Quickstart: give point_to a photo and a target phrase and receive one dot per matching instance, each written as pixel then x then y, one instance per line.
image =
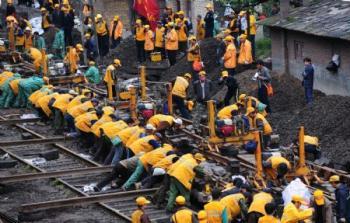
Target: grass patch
pixel 263 48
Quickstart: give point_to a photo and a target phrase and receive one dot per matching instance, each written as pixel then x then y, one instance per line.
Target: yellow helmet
pixel 192 37
pixel 138 21
pixel 141 201
pixel 319 197
pixel 199 157
pixel 170 24
pixel 180 200
pixel 91 63
pixel 202 73
pixel 224 73
pixel 202 215
pixel 298 198
pixel 180 12
pixel 209 6
pixel 242 97
pixel 56 6
pixel 188 75
pixel 79 47
pixel 190 105
pixel 243 36
pixel 46 79
pixel 42 9
pixel 98 16
pixel 334 178
pixel 229 38
pixel 146 26
pixel 116 18
pixel 117 62
pixel 87 35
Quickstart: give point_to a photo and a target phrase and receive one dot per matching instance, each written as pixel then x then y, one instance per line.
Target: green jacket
pixel 93 75
pixel 39 43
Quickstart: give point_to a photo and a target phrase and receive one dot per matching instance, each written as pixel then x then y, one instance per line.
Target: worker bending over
pixel 235 205
pixel 161 122
pixel 276 167
pixel 216 211
pixel 292 212
pixel 60 110
pixel 257 121
pixel 270 209
pixel 257 207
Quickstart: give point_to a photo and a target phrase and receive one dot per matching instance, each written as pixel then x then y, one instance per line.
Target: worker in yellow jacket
pixel 145 144
pixel 36 56
pixel 200 34
pixel 235 205
pixel 179 94
pixel 182 174
pixel 140 216
pixel 6 74
pixel 116 31
pixel 228 112
pixel 250 101
pixel 72 57
pixel 162 122
pixel 276 167
pixel 107 116
pixel 216 211
pixel 149 41
pixel 102 35
pixel 44 105
pixel 83 125
pixel 230 57
pixel 28 38
pixel 159 39
pixel 60 109
pixel 146 162
pixel 292 212
pixel 171 43
pixel 182 214
pixel 140 41
pixel 257 207
pixel 270 209
pixel 259 122
pixel 110 78
pixel 73 112
pixel 182 33
pixel 245 51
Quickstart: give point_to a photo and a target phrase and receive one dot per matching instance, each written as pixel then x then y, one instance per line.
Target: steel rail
pixel 112 197
pixel 35 141
pixel 54 174
pixel 18 121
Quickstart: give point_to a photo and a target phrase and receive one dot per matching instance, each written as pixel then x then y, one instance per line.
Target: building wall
pixel 320 50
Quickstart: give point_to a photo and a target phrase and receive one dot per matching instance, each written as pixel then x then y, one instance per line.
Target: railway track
pixel 67 168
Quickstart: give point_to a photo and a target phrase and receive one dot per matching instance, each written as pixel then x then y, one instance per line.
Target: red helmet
pixel 147 113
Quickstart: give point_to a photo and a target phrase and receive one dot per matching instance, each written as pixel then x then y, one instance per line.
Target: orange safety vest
pixel 101 28
pixel 182 33
pixel 108 78
pixel 165 163
pixel 125 134
pixel 140 34
pixel 111 129
pixel 159 42
pixel 259 202
pixel 118 31
pixel 136 216
pixel 230 60
pixel 72 58
pixel 171 41
pixel 193 53
pixel 183 215
pixel 245 53
pixel 149 43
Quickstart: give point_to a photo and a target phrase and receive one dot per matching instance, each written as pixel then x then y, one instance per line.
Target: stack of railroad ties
pixel 142 149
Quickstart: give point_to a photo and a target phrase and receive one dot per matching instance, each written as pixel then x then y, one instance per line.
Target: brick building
pixel 123 8
pixel 318 31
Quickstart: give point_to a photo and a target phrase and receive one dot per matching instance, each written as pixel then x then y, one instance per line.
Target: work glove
pixel 342 220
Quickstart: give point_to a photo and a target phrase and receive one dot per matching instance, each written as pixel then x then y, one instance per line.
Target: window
pixel 298 50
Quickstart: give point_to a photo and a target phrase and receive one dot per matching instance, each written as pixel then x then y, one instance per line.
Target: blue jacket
pixel 308 76
pixel 342 197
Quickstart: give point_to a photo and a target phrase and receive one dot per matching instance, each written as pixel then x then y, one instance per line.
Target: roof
pixel 328 18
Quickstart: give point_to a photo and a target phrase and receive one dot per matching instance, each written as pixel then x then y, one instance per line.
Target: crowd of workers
pixel 140 154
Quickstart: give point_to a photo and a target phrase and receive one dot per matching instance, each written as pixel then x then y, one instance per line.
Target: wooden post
pixel 143 83
pixel 211 119
pixel 11 37
pixel 133 103
pixel 44 66
pixel 170 98
pixel 258 156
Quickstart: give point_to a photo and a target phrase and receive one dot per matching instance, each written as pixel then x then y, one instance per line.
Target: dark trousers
pixel 308 95
pixel 253 217
pixel 150 181
pixel 42 115
pixel 87 139
pixel 180 103
pixel 231 71
pixel 140 46
pixel 103 150
pixel 183 46
pixel 161 50
pixel 160 195
pixel 68 39
pixel 252 40
pixel 313 150
pixel 103 45
pixel 231 93
pixel 148 54
pixel 114 90
pixel 115 42
pixel 264 98
pixel 70 122
pixel 209 32
pixel 119 171
pixel 172 56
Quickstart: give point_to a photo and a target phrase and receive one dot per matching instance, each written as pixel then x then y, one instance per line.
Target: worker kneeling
pixel 276 167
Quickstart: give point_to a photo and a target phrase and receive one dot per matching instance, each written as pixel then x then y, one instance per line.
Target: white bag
pixel 296 187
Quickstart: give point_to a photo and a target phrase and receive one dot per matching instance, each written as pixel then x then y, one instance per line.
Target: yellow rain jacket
pixel 275 161
pixel 111 129
pixel 154 156
pixel 4 76
pixel 165 163
pixel 95 128
pixel 200 30
pixel 268 219
pixel 80 109
pixel 259 202
pixel 225 112
pixel 183 170
pixel 245 53
pixel 83 122
pixel 292 215
pixel 142 145
pixel 14 86
pixel 171 40
pixel 214 211
pixel 183 215
pixel 230 60
pixel 75 101
pixel 267 127
pixel 125 134
pixel 43 103
pixel 155 120
pixel 231 202
pixel 101 28
pixel 180 87
pixel 149 42
pixel 62 102
pixel 159 41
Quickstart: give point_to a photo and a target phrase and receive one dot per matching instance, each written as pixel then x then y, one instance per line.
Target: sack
pixel 197 65
pixel 269 89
